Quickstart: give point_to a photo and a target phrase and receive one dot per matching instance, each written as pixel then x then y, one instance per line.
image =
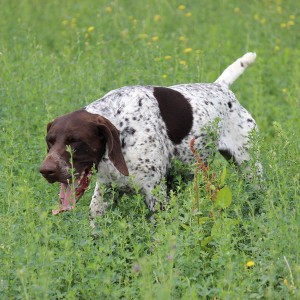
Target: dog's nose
pixel 49 171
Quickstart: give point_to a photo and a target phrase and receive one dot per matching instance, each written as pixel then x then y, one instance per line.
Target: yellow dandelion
pixel 283 25
pixel 73 22
pixel 181 7
pixel 290 23
pixel 124 33
pixel 164 76
pixel 284 90
pixel 237 10
pixel 189 14
pixel 168 57
pixel 182 38
pixel 188 50
pixel 157 18
pixel 292 17
pixel 155 38
pixel 276 48
pixel 183 62
pixel 250 264
pixel 279 9
pixel 108 9
pixel 143 35
pixel 65 22
pixel 91 29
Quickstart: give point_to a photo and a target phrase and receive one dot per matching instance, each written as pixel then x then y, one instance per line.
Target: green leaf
pixel 206 241
pixel 184 226
pixel 203 220
pixel 223 176
pixel 224 197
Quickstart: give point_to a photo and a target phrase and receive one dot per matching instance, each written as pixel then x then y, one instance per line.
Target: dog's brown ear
pixel 49 125
pixel 111 135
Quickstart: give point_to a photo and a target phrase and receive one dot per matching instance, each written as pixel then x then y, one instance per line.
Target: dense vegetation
pixel 221 237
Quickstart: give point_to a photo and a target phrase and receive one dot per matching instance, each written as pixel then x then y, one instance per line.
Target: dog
pixel 132 134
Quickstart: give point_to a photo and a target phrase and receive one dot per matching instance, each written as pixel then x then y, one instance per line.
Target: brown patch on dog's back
pixel 176 111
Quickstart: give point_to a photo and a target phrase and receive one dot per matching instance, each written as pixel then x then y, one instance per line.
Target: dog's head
pixel 87 135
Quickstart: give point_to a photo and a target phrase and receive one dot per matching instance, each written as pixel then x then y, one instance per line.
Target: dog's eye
pixel 50 142
pixel 72 141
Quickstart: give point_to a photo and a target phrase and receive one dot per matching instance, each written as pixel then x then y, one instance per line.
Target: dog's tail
pixel 235 70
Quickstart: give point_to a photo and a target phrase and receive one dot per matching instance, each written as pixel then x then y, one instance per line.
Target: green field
pixel 57 56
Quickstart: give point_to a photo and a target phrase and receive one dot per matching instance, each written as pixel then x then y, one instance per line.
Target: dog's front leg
pixel 98 206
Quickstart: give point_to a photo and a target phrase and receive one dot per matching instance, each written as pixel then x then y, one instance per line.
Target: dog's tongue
pixel 69 194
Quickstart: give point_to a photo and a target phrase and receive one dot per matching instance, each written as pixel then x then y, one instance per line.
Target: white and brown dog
pixel 137 130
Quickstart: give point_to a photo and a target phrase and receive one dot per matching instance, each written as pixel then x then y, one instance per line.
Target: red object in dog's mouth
pixel 70 193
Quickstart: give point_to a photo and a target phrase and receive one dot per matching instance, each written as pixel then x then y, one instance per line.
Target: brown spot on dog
pixel 176 112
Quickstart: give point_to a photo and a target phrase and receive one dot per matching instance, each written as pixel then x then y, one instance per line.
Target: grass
pixel 56 57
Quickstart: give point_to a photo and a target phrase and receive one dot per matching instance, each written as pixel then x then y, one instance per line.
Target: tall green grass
pixel 58 56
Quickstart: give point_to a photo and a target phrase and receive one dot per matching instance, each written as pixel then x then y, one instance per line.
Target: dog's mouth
pixel 71 192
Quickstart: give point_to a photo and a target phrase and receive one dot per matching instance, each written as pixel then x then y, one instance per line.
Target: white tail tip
pixel 248 58
pixel 235 70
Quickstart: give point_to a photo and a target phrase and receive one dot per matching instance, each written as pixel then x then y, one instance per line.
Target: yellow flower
pixel 65 22
pixel 182 38
pixel 283 25
pixel 237 10
pixel 155 38
pixel 284 90
pixel 276 48
pixel 292 17
pixel 189 14
pixel 168 57
pixel 124 33
pixel 164 76
pixel 250 264
pixel 188 50
pixel 73 22
pixel 157 18
pixel 290 23
pixel 108 9
pixel 91 29
pixel 183 62
pixel 279 9
pixel 263 21
pixel 181 7
pixel 143 35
